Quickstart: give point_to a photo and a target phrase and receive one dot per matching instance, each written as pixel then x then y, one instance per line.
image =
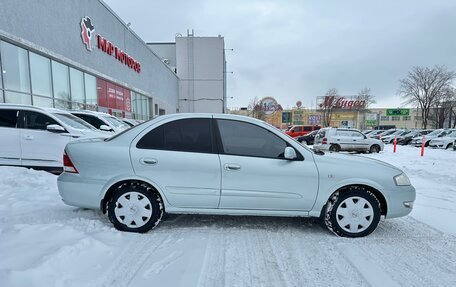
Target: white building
pixel 200 65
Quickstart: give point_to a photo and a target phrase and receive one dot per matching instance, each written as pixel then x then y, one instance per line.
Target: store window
pixel 384 118
pixel 40 72
pixel 61 83
pixel 43 102
pixel 15 68
pixel 90 91
pixel 395 118
pixel 17 98
pixel 406 118
pixel 77 88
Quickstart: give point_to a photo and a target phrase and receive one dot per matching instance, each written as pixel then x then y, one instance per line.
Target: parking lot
pixel 46 243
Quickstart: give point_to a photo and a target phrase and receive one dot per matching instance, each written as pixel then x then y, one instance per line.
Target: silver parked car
pixel 335 139
pixel 227 164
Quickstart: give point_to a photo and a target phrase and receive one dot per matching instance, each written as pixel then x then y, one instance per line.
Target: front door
pixel 180 158
pixel 255 174
pixel 41 147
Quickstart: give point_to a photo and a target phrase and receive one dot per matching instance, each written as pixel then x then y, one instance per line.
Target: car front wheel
pixel 352 213
pixel 134 208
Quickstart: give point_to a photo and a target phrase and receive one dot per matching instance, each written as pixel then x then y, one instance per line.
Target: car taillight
pixel 324 141
pixel 68 165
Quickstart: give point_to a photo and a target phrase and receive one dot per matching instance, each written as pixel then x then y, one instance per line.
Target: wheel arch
pixel 115 184
pixel 378 194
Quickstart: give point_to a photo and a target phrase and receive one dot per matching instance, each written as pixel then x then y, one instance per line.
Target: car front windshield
pixel 115 122
pixel 74 122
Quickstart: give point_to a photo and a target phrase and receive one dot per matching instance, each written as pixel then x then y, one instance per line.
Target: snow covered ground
pixel 46 243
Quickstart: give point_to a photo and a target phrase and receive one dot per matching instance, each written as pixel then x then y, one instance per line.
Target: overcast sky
pixel 297 50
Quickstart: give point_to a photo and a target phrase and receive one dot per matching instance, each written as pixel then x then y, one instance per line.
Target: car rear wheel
pixel 334 148
pixel 450 145
pixel 134 208
pixel 374 149
pixel 352 213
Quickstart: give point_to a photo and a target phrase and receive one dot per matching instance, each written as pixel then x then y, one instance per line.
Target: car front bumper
pixel 79 192
pixel 400 201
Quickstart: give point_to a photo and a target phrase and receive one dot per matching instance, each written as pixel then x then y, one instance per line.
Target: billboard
pixel 397 112
pixel 341 103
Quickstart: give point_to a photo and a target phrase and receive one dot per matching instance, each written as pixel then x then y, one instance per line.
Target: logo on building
pixel 106 46
pixel 87 30
pixel 343 103
pixel 269 105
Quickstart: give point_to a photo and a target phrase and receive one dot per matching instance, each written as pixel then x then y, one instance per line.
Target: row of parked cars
pixel 36 137
pixel 343 139
pixel 437 138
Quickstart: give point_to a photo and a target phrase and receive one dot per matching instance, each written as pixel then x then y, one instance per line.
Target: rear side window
pixel 245 139
pixel 321 134
pixel 307 128
pixel 94 121
pixel 37 121
pixel 8 118
pixel 297 129
pixel 189 135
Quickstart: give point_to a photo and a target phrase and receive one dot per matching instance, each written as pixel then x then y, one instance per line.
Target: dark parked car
pixel 406 139
pixel 307 139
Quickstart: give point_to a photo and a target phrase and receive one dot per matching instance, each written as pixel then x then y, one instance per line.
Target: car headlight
pixel 402 179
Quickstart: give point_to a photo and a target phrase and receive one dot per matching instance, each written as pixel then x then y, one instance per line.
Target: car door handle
pixel 148 161
pixel 232 166
pixel 28 137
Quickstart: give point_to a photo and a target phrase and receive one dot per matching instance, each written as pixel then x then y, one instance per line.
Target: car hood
pixel 350 159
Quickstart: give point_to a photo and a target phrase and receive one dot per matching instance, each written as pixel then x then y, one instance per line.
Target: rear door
pixel 180 157
pixel 39 146
pixel 343 139
pixel 10 135
pixel 359 141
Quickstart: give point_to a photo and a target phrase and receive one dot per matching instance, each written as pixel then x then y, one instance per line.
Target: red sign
pixel 112 50
pixel 342 103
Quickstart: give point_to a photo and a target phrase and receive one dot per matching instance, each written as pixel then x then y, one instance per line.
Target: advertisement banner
pixel 298 117
pixel 313 119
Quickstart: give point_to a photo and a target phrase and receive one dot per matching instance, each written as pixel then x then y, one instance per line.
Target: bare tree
pixel 424 87
pixel 366 96
pixel 255 109
pixel 443 108
pixel 327 107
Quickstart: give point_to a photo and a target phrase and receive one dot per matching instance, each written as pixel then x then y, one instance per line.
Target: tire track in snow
pixel 133 257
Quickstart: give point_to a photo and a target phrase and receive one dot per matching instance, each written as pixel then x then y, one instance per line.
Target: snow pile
pixel 43 242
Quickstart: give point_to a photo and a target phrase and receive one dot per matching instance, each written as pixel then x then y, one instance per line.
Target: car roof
pixel 33 108
pixel 86 112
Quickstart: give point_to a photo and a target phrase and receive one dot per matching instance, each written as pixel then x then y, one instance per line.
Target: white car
pixel 232 165
pixel 417 141
pixel 130 122
pixel 335 139
pixel 36 137
pixel 444 142
pixel 102 121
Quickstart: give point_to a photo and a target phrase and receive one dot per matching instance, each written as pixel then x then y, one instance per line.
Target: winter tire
pixel 352 213
pixel 450 145
pixel 135 207
pixel 374 149
pixel 334 148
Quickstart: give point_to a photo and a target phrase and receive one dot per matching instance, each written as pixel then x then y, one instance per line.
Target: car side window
pixel 8 118
pixel 37 121
pixel 189 135
pixel 307 128
pixel 297 129
pixel 94 121
pixel 245 139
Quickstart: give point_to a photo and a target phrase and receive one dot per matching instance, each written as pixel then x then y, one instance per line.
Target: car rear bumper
pixel 400 201
pixel 79 192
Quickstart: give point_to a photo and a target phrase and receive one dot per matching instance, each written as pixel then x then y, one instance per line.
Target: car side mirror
pixel 106 128
pixel 55 129
pixel 290 153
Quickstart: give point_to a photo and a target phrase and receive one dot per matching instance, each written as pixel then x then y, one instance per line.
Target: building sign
pixel 397 112
pixel 286 117
pixel 87 31
pixel 313 119
pixel 343 103
pixel 269 105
